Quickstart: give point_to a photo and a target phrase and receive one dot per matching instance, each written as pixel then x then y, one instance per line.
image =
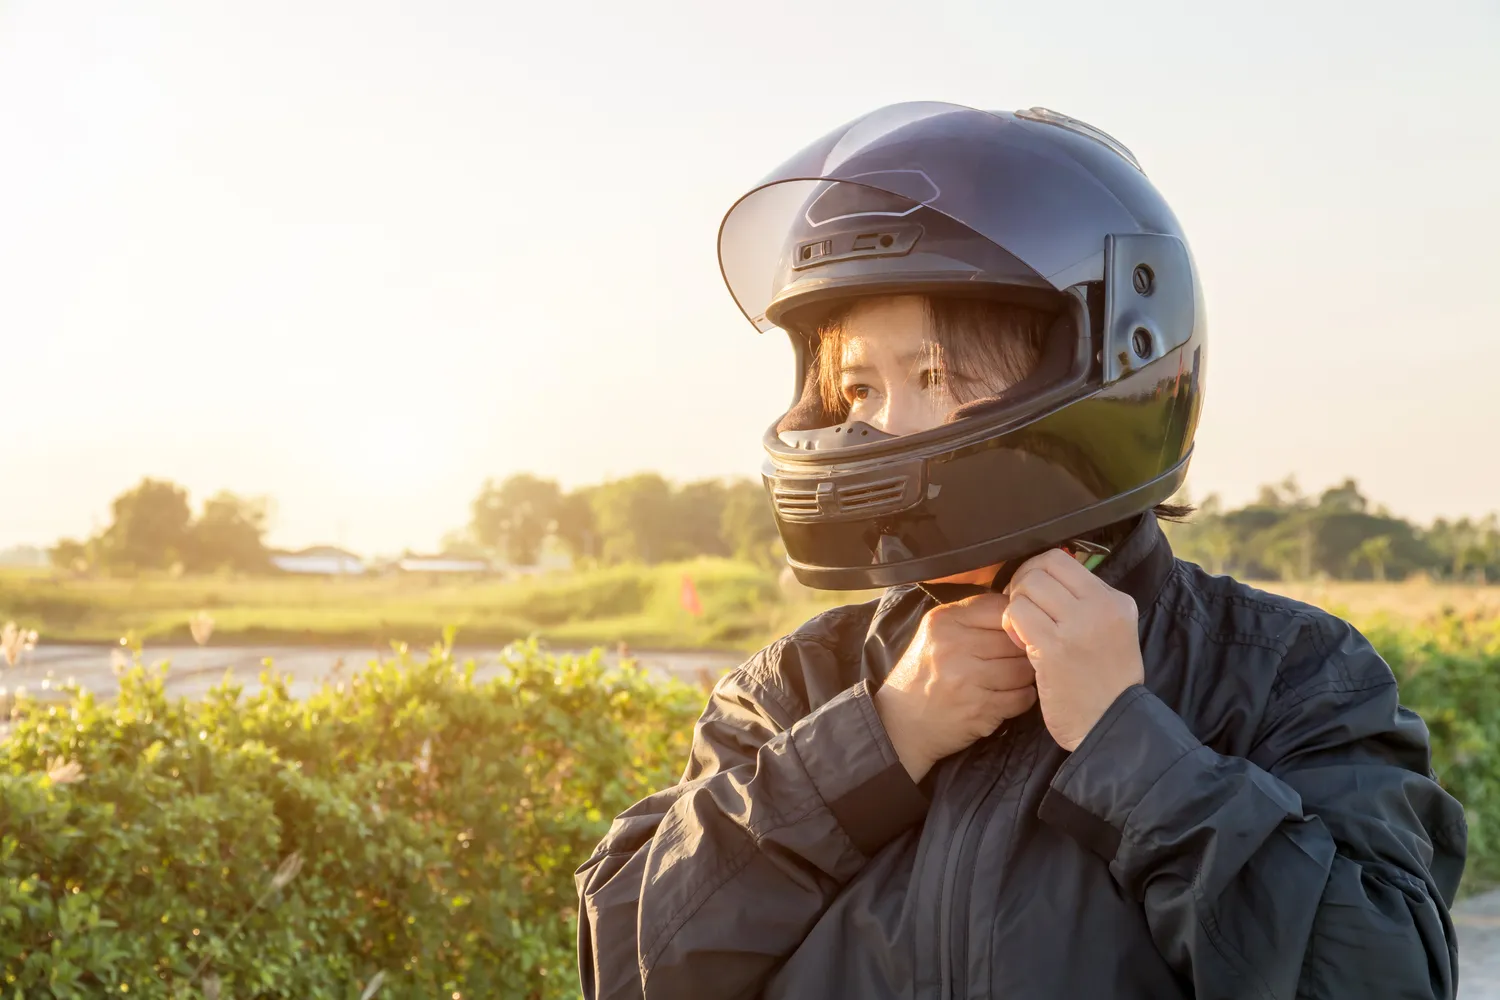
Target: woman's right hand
pixel 960 678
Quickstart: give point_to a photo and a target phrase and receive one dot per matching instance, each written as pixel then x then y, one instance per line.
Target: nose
pixel 907 410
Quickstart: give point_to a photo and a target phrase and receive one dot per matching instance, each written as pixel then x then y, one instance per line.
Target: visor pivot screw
pixel 1140 342
pixel 1142 279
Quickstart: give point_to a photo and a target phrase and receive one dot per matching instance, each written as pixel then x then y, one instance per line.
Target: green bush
pixel 436 821
pixel 1449 669
pixel 425 825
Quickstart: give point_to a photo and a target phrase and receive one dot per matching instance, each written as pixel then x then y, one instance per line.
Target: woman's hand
pixel 960 678
pixel 1081 637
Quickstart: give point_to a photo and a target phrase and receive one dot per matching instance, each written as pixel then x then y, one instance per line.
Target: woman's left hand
pixel 1081 637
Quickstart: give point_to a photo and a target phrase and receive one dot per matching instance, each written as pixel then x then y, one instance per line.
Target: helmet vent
pixel 793 504
pixel 872 496
pixel 815 502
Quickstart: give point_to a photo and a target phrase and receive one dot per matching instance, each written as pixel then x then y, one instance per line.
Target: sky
pixel 359 257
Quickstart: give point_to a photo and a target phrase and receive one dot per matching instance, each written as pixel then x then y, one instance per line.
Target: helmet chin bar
pixel 839 436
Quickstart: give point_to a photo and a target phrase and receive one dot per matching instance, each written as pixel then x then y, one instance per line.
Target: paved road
pixel 1478 922
pixel 194 670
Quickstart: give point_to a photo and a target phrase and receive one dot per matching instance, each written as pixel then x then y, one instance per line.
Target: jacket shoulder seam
pixel 761 674
pixel 1222 637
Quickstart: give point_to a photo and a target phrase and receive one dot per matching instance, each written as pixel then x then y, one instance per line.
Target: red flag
pixel 690 602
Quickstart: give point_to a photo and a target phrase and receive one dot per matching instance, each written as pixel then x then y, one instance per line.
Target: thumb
pixel 1009 625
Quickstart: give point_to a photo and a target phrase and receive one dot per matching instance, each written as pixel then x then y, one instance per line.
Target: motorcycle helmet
pixel 1031 208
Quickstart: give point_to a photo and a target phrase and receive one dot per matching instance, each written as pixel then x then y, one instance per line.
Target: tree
pixel 636 519
pixel 575 524
pixel 515 516
pixel 748 526
pixel 1374 552
pixel 69 554
pixel 150 527
pixel 1285 557
pixel 699 520
pixel 1345 497
pixel 1286 495
pixel 230 534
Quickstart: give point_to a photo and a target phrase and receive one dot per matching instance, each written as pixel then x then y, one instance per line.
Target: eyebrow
pixel 907 360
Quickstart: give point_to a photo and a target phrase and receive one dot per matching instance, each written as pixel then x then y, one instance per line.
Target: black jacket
pixel 1259 820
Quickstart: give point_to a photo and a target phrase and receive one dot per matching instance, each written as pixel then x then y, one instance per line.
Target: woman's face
pixel 887 373
pixel 891 378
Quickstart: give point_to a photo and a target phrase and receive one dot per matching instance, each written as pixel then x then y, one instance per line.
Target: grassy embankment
pixel 744 606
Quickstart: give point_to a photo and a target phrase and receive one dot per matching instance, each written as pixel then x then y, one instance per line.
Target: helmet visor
pixel 1003 178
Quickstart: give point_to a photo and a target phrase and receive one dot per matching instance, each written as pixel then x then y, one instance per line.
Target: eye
pixel 933 378
pixel 857 392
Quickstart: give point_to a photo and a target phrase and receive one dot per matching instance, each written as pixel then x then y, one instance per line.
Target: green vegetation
pixel 412 824
pixel 641 518
pixel 743 606
pixel 1340 535
pixel 1447 668
pixel 153 528
pixel 644 519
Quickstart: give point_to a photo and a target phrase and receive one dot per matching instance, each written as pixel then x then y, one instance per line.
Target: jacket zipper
pixel 949 903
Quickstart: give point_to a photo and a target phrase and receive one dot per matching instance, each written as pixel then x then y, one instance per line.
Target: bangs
pixel 991 345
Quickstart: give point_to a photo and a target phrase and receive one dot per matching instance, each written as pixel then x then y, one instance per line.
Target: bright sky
pixel 360 256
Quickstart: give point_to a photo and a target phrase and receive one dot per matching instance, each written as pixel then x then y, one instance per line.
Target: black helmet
pixel 1028 207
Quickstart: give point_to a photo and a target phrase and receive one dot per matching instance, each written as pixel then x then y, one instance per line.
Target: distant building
pixel 320 560
pixel 443 564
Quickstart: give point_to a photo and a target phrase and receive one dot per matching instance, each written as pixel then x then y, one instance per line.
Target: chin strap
pixel 1088 554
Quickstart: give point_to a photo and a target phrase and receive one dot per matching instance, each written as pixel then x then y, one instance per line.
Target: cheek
pixel 912 409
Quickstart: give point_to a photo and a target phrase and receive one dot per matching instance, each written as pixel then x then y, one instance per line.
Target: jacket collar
pixel 1137 566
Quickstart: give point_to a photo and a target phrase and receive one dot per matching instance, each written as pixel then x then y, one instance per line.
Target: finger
pixel 1046 592
pixel 985 611
pixel 1007 675
pixel 1009 704
pixel 1027 623
pixel 998 646
pixel 1062 567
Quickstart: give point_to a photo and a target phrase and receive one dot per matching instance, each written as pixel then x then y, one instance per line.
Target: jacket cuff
pixel 853 765
pixel 1133 744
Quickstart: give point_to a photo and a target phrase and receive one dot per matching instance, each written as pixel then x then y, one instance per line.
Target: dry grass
pixel 1415 599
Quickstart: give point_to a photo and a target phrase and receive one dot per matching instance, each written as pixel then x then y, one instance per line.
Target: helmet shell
pixel 1031 207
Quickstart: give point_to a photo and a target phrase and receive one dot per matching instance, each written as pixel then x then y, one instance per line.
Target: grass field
pixel 744 606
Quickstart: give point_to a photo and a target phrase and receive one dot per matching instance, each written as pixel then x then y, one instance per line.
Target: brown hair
pixel 996 344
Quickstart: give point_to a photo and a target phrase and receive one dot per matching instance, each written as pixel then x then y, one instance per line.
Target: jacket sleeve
pixel 1320 867
pixel 705 888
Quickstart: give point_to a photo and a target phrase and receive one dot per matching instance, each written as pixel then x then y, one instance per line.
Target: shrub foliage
pixel 411 831
pixel 425 827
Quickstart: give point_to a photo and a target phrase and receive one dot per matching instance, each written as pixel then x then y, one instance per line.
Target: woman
pixel 1052 760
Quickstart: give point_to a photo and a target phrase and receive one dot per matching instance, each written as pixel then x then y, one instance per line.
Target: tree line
pixel 152 527
pixel 640 518
pixel 1283 534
